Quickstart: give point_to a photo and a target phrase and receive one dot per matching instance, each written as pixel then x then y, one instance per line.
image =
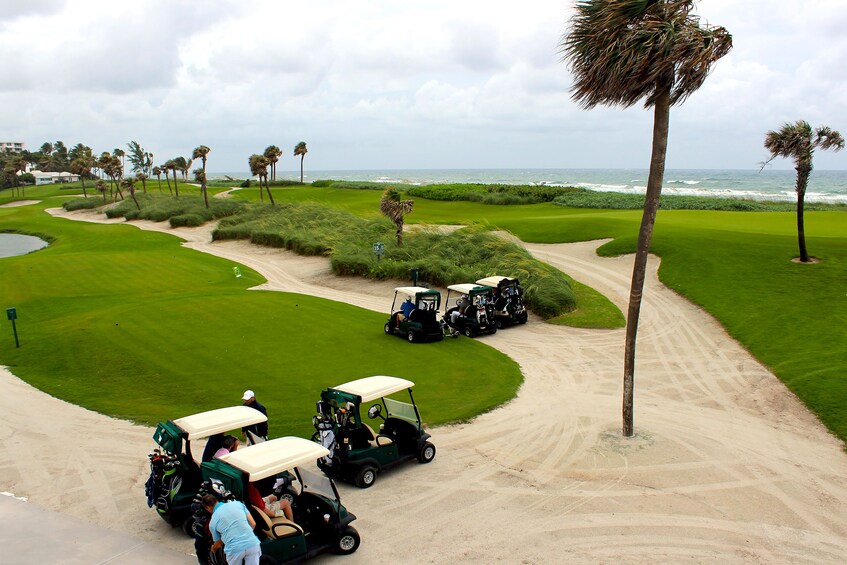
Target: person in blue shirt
pixel 406 308
pixel 232 526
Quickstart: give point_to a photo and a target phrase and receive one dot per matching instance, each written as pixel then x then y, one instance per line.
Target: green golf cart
pixel 321 523
pixel 421 323
pixel 358 452
pixel 472 312
pixel 509 308
pixel 174 472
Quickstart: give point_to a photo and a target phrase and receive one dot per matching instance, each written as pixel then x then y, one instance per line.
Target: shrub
pixel 82 204
pixel 245 184
pixel 504 194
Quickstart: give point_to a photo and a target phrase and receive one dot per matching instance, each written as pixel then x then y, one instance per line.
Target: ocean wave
pixel 683 182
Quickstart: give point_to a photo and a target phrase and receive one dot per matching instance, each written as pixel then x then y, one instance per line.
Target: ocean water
pixel 824 186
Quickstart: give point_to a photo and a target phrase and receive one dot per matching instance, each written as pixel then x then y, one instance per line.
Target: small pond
pixel 12 244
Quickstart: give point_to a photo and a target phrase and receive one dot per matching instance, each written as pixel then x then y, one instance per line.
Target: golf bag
pixel 200 522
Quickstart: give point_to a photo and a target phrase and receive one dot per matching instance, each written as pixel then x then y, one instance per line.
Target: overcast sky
pixel 385 84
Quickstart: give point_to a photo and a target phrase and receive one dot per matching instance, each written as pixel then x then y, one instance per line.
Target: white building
pixel 16 146
pixel 52 178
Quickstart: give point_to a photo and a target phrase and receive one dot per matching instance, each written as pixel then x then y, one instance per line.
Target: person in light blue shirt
pixel 232 526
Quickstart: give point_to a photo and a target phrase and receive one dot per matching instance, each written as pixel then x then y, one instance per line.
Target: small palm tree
pixel 201 152
pixel 396 209
pixel 158 172
pixel 129 184
pixel 622 51
pixel 101 187
pixel 300 149
pixel 259 167
pixel 798 141
pixel 273 153
pixel 143 178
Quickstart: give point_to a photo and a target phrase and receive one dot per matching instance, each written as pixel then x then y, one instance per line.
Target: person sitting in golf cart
pixel 406 309
pixel 271 505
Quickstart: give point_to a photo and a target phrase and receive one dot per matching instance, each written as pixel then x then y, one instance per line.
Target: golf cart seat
pixel 276 528
pixel 253 439
pixel 376 440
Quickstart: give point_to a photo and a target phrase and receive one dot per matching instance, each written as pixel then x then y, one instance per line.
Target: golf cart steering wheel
pixel 375 411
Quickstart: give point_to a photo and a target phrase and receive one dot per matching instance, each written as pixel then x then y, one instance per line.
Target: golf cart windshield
pixel 317 483
pixel 401 410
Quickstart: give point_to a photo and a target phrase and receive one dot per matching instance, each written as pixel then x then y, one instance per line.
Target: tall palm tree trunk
pixel 176 187
pixel 661 119
pixel 268 188
pixel 301 167
pixel 803 172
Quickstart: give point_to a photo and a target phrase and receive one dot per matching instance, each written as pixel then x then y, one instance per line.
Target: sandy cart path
pixel 726 465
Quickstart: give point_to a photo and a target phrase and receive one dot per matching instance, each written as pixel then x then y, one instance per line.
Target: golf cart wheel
pixel 387 329
pixel 366 477
pixel 411 336
pixel 427 453
pixel 468 331
pixel 348 541
pixel 188 527
pixel 498 324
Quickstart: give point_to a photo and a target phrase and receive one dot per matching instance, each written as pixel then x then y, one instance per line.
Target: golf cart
pixel 321 523
pixel 509 308
pixel 422 323
pixel 357 452
pixel 174 473
pixel 472 313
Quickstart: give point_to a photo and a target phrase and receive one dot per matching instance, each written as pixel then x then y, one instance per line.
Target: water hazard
pixel 12 244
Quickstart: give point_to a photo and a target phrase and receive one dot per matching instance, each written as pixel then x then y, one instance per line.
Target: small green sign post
pixel 379 250
pixel 12 314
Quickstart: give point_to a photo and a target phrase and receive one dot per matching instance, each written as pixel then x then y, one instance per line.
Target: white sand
pixel 726 464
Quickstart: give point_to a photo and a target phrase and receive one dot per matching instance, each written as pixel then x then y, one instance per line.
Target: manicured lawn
pixel 130 324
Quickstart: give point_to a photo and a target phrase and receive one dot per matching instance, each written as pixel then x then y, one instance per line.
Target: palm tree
pixel 129 184
pixel 391 205
pixel 81 167
pixel 273 153
pixel 171 165
pixel 166 167
pixel 158 172
pixel 621 51
pixel 101 187
pixel 201 152
pixel 117 152
pixel 115 170
pixel 143 178
pixel 300 149
pixel 259 167
pixel 798 141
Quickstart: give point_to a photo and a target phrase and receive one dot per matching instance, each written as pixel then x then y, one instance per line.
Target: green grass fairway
pixel 130 324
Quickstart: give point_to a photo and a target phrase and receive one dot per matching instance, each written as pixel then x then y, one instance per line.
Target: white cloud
pixel 379 84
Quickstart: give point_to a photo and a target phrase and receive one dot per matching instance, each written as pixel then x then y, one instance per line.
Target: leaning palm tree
pixel 143 178
pixel 273 153
pixel 300 149
pixel 798 141
pixel 396 209
pixel 259 167
pixel 129 184
pixel 200 152
pixel 158 172
pixel 621 51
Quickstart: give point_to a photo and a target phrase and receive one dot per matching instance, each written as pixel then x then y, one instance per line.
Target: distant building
pixel 15 146
pixel 52 178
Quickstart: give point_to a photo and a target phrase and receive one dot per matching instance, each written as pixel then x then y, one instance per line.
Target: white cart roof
pixel 412 290
pixel 218 421
pixel 493 280
pixel 274 456
pixel 467 288
pixel 371 388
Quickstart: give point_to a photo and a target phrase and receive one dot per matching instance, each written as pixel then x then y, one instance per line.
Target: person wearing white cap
pixel 260 429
